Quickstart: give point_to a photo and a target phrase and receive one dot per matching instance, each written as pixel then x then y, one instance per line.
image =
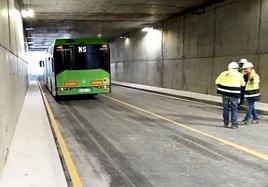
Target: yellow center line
pixel 63 147
pixel 227 142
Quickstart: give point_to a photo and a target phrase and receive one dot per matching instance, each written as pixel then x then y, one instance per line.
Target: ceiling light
pixel 29 28
pixel 27 13
pixel 24 13
pixel 31 13
pixel 147 29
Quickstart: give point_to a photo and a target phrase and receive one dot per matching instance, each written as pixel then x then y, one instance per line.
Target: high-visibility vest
pixel 229 83
pixel 252 90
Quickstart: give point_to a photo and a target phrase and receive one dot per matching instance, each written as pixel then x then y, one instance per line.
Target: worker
pixel 252 93
pixel 229 85
pixel 241 63
pixel 242 96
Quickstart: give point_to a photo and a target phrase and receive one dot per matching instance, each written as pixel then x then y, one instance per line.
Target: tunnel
pixel 123 93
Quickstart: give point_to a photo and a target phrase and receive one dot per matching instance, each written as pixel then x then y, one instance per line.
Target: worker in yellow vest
pixel 242 96
pixel 252 93
pixel 229 85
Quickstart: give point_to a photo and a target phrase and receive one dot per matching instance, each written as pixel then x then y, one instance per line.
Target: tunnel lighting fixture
pixel 37 44
pixel 147 29
pixel 27 13
pixel 29 29
pixel 123 37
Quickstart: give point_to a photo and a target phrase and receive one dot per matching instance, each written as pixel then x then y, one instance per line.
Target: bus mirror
pixel 41 64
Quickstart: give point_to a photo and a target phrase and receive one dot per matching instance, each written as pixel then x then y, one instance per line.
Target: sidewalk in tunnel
pixel 33 159
pixel 210 99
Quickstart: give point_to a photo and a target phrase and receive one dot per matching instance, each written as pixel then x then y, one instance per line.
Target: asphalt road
pixel 135 138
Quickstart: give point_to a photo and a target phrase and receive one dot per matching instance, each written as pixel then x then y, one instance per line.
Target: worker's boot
pixel 234 125
pixel 245 122
pixel 225 125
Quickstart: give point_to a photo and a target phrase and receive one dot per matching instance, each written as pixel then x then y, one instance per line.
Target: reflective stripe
pixel 224 84
pixel 229 91
pixel 253 95
pixel 237 88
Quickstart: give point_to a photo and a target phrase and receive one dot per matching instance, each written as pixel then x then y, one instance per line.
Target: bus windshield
pixel 80 57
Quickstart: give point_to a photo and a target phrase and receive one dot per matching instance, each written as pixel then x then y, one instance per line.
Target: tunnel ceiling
pixel 77 18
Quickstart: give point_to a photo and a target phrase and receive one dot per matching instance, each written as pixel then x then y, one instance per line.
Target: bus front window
pixel 78 57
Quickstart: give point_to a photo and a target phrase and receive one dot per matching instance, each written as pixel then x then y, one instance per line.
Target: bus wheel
pixel 56 97
pixel 93 95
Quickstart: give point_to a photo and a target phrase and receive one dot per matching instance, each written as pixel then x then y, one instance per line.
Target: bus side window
pixel 52 65
pixel 41 64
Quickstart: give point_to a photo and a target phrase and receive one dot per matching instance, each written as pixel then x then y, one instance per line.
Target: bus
pixel 78 66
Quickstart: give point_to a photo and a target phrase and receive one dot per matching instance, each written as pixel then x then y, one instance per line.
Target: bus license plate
pixel 84 90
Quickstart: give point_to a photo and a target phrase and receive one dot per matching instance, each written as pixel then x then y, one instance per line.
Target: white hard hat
pixel 247 65
pixel 233 65
pixel 243 61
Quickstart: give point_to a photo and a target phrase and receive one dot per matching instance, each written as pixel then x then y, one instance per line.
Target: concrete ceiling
pixel 76 18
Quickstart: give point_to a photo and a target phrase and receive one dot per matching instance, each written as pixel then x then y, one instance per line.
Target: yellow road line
pixel 63 147
pixel 227 142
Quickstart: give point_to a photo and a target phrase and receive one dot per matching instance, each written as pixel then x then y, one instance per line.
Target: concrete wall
pixel 140 55
pixel 192 50
pixel 13 73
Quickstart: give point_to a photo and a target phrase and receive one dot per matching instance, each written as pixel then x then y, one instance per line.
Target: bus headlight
pixel 106 80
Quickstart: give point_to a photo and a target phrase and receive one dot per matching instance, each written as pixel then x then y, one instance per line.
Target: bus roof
pixel 81 41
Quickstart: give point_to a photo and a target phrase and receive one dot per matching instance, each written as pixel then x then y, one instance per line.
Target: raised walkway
pixel 33 160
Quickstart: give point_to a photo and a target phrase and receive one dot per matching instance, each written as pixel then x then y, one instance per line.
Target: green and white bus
pixel 78 66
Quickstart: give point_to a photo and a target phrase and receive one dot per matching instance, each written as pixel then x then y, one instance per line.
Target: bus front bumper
pixel 61 91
